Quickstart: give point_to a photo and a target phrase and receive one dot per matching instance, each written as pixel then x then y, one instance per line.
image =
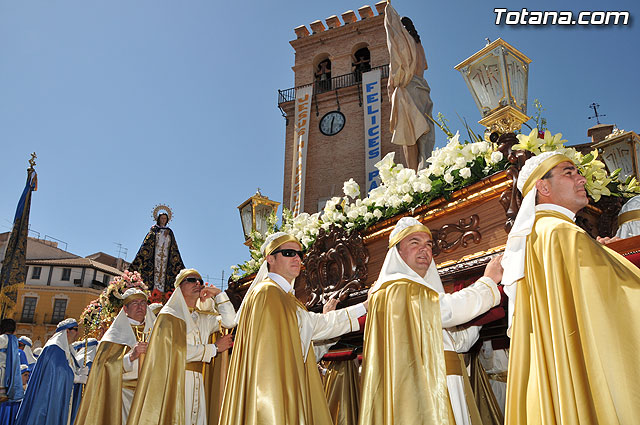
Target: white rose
pixel 368 216
pixel 407 198
pixel 496 157
pixel 465 173
pixel 377 213
pixel 395 201
pixel 461 161
pixel 351 188
pixel 448 178
pixel 353 214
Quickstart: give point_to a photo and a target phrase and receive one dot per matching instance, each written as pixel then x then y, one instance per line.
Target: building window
pixel 28 309
pixel 105 279
pixel 361 63
pixel 59 310
pixel 35 272
pixel 323 76
pixel 66 274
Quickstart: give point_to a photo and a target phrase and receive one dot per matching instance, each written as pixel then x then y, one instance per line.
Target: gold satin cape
pixel 159 397
pixel 102 398
pixel 403 369
pixel 342 388
pixel 576 331
pixel 269 382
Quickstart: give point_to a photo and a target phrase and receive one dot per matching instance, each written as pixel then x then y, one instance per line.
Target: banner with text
pixel 372 127
pixel 300 141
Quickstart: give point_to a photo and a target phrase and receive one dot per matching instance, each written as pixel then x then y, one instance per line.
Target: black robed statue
pixel 158 260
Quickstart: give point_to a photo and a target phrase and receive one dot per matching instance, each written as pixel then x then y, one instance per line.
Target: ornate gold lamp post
pixel 497 77
pixel 254 213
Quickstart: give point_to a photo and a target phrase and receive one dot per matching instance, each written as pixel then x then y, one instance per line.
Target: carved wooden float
pixel 468 229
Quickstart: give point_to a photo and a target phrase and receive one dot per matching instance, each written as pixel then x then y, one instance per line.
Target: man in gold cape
pixel 273 377
pixel 109 392
pixel 170 388
pixel 405 369
pixel 575 334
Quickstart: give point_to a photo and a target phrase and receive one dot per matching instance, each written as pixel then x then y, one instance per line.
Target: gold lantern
pixel 497 77
pixel 254 213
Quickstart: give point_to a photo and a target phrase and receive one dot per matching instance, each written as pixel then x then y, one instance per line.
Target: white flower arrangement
pixel 599 182
pixel 402 189
pixel 451 168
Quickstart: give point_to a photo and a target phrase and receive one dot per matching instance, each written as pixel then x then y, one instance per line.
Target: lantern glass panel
pixel 262 214
pixel 517 72
pixel 618 155
pixel 486 82
pixel 247 221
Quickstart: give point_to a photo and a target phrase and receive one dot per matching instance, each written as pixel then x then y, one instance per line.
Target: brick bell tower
pixel 332 58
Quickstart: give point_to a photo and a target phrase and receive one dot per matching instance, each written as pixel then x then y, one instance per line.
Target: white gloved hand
pixel 81 377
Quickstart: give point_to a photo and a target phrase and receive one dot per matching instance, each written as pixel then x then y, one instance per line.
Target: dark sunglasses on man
pixel 288 253
pixel 193 280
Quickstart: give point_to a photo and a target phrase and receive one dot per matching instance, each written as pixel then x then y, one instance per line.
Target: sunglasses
pixel 288 253
pixel 194 280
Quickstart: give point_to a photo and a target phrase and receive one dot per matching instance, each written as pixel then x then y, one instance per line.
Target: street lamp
pixel 497 77
pixel 254 213
pixel 621 149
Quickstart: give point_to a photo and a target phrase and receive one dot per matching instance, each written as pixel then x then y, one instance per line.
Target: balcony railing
pixel 334 83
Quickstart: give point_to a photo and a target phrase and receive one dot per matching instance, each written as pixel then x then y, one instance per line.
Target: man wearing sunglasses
pixel 50 397
pixel 273 377
pixel 171 386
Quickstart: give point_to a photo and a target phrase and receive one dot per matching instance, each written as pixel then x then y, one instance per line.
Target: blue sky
pixel 133 103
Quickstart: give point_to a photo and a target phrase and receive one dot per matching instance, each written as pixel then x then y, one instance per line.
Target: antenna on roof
pixel 122 250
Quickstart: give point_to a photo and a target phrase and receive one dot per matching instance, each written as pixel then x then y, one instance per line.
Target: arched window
pixel 323 76
pixel 361 62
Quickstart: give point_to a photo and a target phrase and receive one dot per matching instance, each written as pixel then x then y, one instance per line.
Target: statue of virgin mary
pixel 158 260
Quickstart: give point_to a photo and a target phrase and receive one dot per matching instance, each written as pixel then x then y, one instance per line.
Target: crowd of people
pixel 572 322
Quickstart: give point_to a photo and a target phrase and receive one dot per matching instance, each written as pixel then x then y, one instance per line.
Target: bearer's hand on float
pixel 494 269
pixel 209 292
pixel 606 240
pixel 139 348
pixel 224 343
pixel 330 305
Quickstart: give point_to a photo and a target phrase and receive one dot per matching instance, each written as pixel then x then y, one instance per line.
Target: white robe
pixel 495 361
pixel 456 309
pixel 199 350
pixel 322 327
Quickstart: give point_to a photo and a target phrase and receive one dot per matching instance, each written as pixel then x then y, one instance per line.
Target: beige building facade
pixel 59 284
